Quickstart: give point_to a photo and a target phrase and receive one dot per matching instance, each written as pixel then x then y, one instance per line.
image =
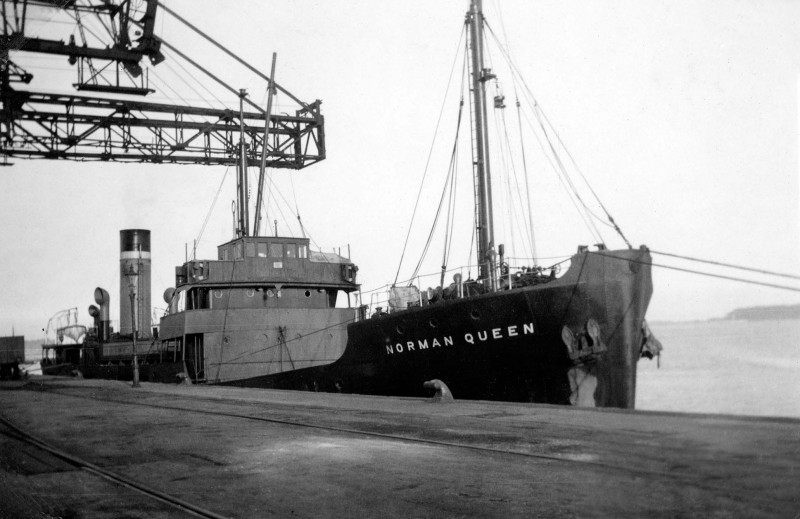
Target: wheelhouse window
pixel 198 299
pixel 237 251
pixel 291 250
pixel 302 251
pixel 275 250
pixel 262 250
pixel 250 249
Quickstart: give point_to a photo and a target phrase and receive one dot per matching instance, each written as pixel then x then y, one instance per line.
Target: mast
pixel 241 185
pixel 271 90
pixel 481 167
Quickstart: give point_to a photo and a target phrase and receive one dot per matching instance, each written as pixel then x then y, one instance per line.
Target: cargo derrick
pixel 116 126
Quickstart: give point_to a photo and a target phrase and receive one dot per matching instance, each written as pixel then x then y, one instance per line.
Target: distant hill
pixel 763 313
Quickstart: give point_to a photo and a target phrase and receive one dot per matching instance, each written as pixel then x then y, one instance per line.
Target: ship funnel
pixel 104 322
pixel 134 263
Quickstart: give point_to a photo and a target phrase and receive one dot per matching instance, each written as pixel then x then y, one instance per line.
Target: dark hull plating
pixel 501 346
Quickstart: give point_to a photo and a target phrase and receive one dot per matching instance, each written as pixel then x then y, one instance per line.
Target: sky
pixel 682 115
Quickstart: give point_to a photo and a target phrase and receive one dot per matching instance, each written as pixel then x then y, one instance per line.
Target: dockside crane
pixel 109 120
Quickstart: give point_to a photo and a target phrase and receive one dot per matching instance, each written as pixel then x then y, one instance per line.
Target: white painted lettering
pixel 469 338
pixel 483 336
pixel 389 349
pixel 528 328
pixel 398 347
pixel 423 344
pixel 435 343
pixel 448 341
pixel 512 331
pixel 496 333
pixel 410 345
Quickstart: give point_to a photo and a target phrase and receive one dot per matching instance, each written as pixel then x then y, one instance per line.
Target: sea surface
pixel 728 367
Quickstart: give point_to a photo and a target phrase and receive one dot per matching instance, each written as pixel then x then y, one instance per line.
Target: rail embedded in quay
pixel 508 432
pixel 11 430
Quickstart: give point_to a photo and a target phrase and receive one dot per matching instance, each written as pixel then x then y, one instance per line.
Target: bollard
pixel 443 393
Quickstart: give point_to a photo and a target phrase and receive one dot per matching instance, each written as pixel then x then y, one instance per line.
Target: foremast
pixel 481 166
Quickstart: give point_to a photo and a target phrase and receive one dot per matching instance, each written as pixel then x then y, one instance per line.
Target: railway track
pixel 286 415
pixel 406 438
pixel 358 432
pixel 10 430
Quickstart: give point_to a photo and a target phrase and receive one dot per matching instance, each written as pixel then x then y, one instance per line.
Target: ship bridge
pixel 282 271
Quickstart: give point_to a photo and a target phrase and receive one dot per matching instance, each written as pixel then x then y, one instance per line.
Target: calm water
pixel 736 367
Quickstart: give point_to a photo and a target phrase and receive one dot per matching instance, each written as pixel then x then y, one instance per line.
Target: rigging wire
pixel 286 341
pixel 570 194
pixel 553 155
pixel 231 54
pixel 525 176
pixel 542 117
pixel 537 112
pixel 196 80
pixel 506 158
pixel 531 228
pixel 289 207
pixel 183 80
pixel 586 181
pixel 211 209
pixel 76 17
pixel 517 190
pixel 448 188
pixel 448 182
pixel 692 271
pixel 451 215
pixel 584 211
pixel 730 265
pixel 430 153
pixel 451 212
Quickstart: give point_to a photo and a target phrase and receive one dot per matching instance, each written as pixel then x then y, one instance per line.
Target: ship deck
pixel 266 453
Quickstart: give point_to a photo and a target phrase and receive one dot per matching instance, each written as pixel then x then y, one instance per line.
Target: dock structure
pixel 263 453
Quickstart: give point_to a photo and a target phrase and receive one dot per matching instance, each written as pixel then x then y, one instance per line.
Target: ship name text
pixel 492 334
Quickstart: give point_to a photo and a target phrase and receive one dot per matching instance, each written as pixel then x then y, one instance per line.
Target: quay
pixel 264 453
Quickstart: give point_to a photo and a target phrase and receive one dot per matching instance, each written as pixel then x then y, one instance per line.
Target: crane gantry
pixel 107 118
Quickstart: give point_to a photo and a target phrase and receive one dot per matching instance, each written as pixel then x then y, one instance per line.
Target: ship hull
pixel 508 345
pixel 505 345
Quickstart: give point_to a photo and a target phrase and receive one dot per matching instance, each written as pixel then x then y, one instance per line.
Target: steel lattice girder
pixel 54 126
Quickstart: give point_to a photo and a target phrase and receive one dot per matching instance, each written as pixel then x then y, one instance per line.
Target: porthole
pixel 399 329
pixel 250 292
pixel 475 314
pixel 433 323
pixel 218 294
pixel 270 293
pixel 308 293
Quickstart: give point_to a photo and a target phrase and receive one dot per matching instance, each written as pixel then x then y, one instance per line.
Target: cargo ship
pixel 268 312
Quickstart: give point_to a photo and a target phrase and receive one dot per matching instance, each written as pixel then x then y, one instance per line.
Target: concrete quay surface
pixel 263 453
